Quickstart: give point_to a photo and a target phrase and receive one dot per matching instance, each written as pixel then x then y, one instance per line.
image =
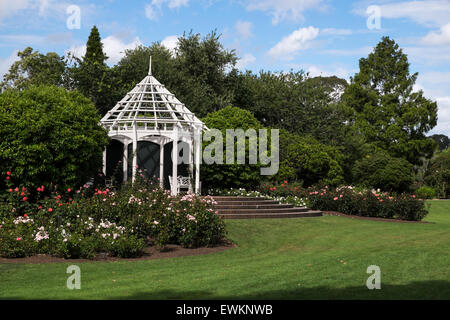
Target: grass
pixel 307 258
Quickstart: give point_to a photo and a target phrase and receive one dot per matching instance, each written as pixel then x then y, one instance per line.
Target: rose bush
pixel 86 222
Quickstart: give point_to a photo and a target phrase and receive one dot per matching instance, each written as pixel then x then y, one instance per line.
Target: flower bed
pixel 369 204
pixel 85 222
pixel 349 200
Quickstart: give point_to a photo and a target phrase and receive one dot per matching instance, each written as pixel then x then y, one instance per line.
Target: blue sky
pixel 323 37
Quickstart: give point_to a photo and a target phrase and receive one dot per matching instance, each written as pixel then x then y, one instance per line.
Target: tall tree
pixel 387 113
pixel 94 48
pixel 201 66
pixel 34 68
pixel 133 67
pixel 92 77
pixel 292 101
pixel 195 71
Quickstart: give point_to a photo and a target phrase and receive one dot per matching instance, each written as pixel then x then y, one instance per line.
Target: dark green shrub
pixel 231 175
pixel 49 135
pixel 127 247
pixel 380 171
pixel 425 192
pixel 438 174
pixel 309 161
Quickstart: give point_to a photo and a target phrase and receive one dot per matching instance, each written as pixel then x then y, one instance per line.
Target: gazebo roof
pixel 149 108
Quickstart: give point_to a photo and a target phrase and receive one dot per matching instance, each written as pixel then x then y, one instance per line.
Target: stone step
pixel 262 211
pixel 251 202
pixel 233 198
pixel 221 206
pixel 273 215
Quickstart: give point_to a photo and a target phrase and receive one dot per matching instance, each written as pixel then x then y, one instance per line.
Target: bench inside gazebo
pixel 153 133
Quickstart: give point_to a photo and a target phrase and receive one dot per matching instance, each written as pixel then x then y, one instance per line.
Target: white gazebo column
pixel 198 144
pixel 104 162
pixel 134 155
pixel 175 162
pixel 191 164
pixel 125 161
pixel 161 164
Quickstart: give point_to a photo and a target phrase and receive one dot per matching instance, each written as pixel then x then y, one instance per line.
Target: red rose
pixel 68 190
pixel 8 173
pixel 25 198
pixel 50 210
pixel 7 178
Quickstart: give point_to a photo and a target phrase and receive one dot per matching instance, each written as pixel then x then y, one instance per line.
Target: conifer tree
pixel 388 114
pixel 92 76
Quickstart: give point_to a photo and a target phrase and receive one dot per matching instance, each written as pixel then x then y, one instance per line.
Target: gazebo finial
pixel 150 67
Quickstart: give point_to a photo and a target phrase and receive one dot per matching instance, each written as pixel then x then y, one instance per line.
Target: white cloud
pixel 244 29
pixel 284 9
pixel 29 39
pixel 9 8
pixel 245 61
pixel 298 40
pixel 357 52
pixel 435 86
pixel 443 125
pixel 336 32
pixel 438 38
pixel 341 72
pixel 154 9
pixel 428 13
pixel 170 42
pixel 6 63
pixel 44 8
pixel 151 12
pixel 113 47
pixel 429 55
pixel 172 4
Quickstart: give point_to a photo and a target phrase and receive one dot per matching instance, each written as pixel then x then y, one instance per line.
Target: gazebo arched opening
pixel 114 158
pixel 148 121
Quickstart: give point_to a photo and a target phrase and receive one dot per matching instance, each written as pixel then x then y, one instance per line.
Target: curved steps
pixel 230 207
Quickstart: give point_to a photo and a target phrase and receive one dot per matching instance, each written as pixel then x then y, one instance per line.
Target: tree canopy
pixel 387 112
pixel 34 68
pixel 334 124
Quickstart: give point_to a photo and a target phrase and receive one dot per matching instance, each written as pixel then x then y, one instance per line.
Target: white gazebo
pixel 149 112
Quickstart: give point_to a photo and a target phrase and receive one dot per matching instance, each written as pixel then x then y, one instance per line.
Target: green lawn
pixel 308 258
